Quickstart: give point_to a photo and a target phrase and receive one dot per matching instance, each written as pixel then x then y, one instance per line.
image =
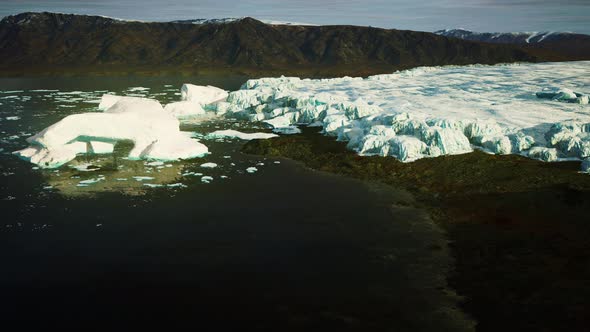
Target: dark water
pixel 284 248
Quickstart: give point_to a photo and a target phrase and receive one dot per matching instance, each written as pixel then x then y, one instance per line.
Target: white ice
pixel 184 109
pixel 230 133
pixel 154 132
pixel 209 165
pixel 432 111
pixel 202 94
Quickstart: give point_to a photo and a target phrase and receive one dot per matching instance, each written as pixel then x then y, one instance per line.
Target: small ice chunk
pixel 563 95
pixel 143 178
pixel 138 88
pixel 251 170
pixel 543 153
pixel 290 130
pixel 91 181
pixel 12 118
pixel 176 185
pixel 153 185
pixel 209 165
pixel 237 134
pixel 206 179
pixel 155 163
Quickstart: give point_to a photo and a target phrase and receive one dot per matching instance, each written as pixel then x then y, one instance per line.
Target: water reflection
pixel 29 105
pixel 89 175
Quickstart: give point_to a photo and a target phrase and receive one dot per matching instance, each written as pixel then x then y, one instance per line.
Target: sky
pixel 421 15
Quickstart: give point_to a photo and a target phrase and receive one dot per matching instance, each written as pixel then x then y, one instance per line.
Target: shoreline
pixel 515 225
pixel 307 71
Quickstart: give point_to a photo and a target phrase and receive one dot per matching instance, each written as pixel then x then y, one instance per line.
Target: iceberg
pixel 154 132
pixel 184 109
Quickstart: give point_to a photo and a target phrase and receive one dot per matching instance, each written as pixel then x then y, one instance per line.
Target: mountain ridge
pixel 37 42
pixel 511 37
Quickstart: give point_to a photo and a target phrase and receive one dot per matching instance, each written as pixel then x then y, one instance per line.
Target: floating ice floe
pixel 155 163
pixel 176 185
pixel 209 165
pixel 206 179
pixel 85 183
pixel 288 130
pixel 138 88
pixel 230 133
pixel 143 178
pixel 251 169
pixel 154 133
pixel 12 118
pixel 433 111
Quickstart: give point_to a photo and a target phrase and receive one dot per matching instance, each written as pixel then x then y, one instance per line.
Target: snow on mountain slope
pixel 432 111
pixel 233 19
pixel 507 37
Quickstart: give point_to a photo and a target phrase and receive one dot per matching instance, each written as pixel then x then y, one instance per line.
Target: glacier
pixel 433 111
pixel 535 110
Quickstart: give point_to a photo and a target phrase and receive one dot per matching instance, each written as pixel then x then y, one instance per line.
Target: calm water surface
pixel 284 248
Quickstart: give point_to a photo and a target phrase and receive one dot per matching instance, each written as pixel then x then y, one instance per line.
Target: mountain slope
pixel 566 45
pixel 513 37
pixel 48 41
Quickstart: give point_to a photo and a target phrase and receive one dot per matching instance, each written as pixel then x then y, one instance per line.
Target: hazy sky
pixel 425 15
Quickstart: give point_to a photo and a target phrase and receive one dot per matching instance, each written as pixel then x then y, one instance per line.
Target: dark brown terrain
pixel 518 228
pixel 48 42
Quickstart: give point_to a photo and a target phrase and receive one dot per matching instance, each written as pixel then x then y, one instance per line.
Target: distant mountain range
pixel 514 37
pixel 233 19
pixel 50 42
